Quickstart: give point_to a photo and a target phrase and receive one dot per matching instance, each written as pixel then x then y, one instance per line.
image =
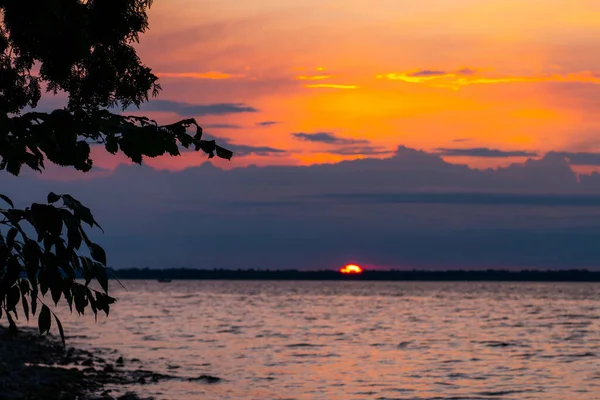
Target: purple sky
pixel 412 210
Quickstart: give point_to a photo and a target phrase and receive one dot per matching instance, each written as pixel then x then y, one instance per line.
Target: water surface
pixel 356 340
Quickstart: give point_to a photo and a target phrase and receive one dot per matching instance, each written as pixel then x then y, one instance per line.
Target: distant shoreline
pixel 572 275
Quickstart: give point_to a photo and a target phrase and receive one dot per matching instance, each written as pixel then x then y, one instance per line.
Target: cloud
pixel 427 72
pixel 580 158
pixel 267 123
pixel 327 138
pixel 425 75
pixel 221 126
pixel 193 110
pixel 483 152
pixel 441 73
pixel 576 77
pixel 467 71
pixel 213 75
pixel 360 150
pixel 466 76
pixel 241 150
pixel 331 86
pixel 473 198
pixel 313 77
pixel 461 140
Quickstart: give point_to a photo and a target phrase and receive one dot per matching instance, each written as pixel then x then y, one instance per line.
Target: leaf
pixel 14 216
pixel 12 298
pixel 53 197
pixel 12 327
pixel 34 294
pixel 70 201
pixel 56 289
pixel 12 270
pixel 199 132
pixel 31 254
pixel 223 153
pixel 60 330
pixel 208 146
pixel 46 219
pixel 73 233
pixel 112 145
pixel 44 320
pixel 85 237
pixel 69 296
pixel 7 200
pixel 80 211
pixel 92 300
pixel 103 302
pixel 25 306
pixel 101 276
pixel 98 253
pixel 24 285
pixel 14 167
pixel 80 299
pixel 10 237
pixel 84 213
pixel 88 270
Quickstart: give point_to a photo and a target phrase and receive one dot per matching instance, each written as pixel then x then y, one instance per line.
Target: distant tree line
pixel 571 275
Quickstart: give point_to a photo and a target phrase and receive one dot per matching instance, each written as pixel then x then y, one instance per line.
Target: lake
pixel 355 340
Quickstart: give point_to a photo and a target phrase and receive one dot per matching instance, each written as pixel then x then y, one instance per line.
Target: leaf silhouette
pixel 97 253
pixel 101 276
pixel 60 330
pixel 44 320
pixel 7 200
pixel 25 306
pixel 53 197
pixel 12 298
pixel 12 327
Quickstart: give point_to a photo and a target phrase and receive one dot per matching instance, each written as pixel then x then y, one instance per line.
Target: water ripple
pixel 399 340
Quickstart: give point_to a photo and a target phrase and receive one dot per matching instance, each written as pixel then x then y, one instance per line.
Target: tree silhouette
pixel 84 50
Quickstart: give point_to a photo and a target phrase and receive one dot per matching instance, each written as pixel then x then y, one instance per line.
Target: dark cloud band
pixel 195 110
pixel 327 138
pixel 482 152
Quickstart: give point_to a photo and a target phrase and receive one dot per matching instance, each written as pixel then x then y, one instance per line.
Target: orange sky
pixel 501 74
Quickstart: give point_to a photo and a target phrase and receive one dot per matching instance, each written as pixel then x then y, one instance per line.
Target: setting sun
pixel 351 269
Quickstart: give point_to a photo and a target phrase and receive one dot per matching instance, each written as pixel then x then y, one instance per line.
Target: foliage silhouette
pixel 83 49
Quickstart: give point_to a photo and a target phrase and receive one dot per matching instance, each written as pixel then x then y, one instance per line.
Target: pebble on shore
pixel 38 367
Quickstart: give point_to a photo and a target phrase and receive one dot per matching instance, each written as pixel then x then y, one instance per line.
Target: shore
pixel 38 367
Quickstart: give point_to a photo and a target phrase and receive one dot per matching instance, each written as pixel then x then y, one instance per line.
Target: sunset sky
pixel 418 98
pixel 508 75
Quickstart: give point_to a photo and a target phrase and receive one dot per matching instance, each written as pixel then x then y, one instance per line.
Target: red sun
pixel 351 269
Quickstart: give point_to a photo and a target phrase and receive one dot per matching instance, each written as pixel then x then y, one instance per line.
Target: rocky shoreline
pixel 39 367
